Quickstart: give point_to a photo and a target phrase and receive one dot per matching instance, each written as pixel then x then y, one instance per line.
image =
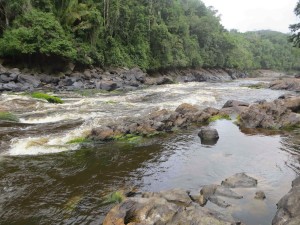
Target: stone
pixel 208 134
pixel 260 195
pixel 172 207
pixel 234 103
pixel 289 207
pixel 186 108
pixel 239 180
pixel 29 79
pixel 108 85
pixel 102 134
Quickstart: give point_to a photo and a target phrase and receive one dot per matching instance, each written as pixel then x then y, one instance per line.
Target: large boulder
pixel 289 207
pixel 290 84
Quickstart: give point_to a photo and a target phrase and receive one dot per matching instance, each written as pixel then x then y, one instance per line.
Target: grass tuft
pixel 7 116
pixel 49 98
pixel 116 197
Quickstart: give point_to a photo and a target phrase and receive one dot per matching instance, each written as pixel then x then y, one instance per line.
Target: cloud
pixel 245 15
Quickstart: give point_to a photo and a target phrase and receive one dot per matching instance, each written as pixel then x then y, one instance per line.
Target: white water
pixel 102 109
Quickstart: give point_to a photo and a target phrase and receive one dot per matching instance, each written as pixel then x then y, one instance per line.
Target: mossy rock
pixel 49 98
pixel 130 138
pixel 219 117
pixel 7 116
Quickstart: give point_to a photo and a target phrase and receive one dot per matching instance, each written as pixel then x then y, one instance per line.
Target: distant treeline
pixel 151 34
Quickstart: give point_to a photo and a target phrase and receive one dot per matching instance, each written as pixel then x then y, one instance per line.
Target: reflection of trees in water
pixel 291 144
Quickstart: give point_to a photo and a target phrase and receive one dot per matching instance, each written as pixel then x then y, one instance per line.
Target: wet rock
pixel 272 115
pixel 289 207
pixel 29 79
pixel 103 134
pixel 297 76
pixel 186 108
pixel 296 182
pixel 239 180
pixel 207 134
pixel 218 201
pixel 290 84
pixel 164 80
pixel 108 85
pixel 164 208
pixel 234 103
pixel 260 195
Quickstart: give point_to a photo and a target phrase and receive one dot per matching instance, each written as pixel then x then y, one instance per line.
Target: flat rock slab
pixel 239 180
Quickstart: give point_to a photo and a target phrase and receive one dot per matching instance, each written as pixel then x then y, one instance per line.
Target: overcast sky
pixel 249 15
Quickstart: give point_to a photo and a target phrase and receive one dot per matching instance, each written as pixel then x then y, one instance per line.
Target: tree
pixel 295 28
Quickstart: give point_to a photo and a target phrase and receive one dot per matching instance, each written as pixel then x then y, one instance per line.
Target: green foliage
pixel 7 116
pixel 150 34
pixel 295 28
pixel 36 33
pixel 49 98
pixel 129 138
pixel 219 117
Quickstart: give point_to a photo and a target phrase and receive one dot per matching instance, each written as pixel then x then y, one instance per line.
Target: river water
pixel 46 180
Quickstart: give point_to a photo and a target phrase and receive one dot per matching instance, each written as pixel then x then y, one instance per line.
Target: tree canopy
pixel 151 34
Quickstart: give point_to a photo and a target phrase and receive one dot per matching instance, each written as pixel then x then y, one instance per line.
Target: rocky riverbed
pixel 61 161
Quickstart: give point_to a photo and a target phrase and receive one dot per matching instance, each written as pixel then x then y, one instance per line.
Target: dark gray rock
pixel 208 134
pixel 29 79
pixel 108 85
pixel 239 180
pixel 234 103
pixel 164 80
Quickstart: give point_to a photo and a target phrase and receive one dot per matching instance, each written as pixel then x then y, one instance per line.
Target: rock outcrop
pixel 289 84
pixel 158 121
pixel 279 114
pixel 113 79
pixel 173 207
pixel 288 212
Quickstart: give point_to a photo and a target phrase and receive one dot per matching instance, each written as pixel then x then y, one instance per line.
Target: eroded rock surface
pixel 239 180
pixel 288 212
pixel 172 207
pixel 281 113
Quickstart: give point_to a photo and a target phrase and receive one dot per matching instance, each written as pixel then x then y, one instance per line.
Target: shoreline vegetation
pixel 59 36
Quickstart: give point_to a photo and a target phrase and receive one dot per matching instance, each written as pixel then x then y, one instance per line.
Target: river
pixel 46 180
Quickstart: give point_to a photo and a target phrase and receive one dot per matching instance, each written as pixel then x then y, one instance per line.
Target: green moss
pixel 130 138
pixel 78 140
pixel 116 197
pixel 7 116
pixel 49 98
pixel 256 86
pixel 219 117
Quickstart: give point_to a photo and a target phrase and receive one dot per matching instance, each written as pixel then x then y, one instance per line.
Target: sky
pixel 251 15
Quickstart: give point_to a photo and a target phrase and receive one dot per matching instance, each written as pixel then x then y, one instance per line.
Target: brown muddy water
pixel 45 180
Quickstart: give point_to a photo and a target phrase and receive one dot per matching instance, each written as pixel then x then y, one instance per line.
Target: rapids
pixel 44 179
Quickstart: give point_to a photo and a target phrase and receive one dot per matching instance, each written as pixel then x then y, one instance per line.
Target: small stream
pixel 46 180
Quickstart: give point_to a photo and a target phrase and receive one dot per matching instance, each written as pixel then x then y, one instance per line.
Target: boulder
pixel 186 108
pixel 208 135
pixel 290 84
pixel 108 85
pixel 272 115
pixel 289 207
pixel 239 180
pixel 234 103
pixel 29 79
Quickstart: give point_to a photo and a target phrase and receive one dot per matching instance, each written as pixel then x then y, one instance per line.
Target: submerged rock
pixel 239 180
pixel 260 195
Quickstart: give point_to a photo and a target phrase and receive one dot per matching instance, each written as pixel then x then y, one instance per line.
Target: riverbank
pixel 120 79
